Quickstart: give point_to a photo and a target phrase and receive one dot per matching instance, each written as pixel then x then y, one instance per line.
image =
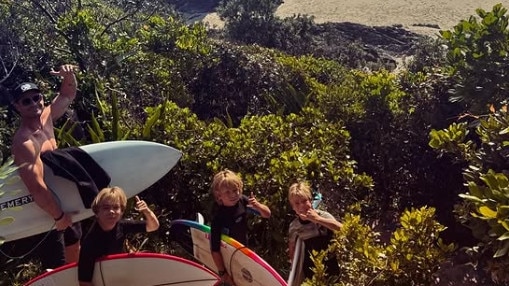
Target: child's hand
pixel 252 201
pixel 141 205
pixel 227 280
pixel 310 215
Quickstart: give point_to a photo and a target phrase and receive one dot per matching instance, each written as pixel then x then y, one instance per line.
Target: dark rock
pixel 380 45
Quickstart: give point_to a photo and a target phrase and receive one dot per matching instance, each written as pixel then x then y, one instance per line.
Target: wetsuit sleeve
pixel 134 226
pixel 86 262
pixel 215 234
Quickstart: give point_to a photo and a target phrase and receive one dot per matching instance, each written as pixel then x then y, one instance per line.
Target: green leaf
pixel 487 212
pixel 504 131
pixel 505 224
pixel 446 34
pixel 490 181
pixel 115 130
pixel 471 198
pixel 504 236
pixel 502 250
pixel 151 121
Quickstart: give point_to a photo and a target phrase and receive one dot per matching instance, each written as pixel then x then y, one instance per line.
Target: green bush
pixel 413 254
pixel 478 59
pixel 486 209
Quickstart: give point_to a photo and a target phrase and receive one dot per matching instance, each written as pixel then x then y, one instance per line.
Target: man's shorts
pixel 72 234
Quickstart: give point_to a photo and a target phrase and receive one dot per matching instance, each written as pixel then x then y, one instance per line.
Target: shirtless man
pixel 34 136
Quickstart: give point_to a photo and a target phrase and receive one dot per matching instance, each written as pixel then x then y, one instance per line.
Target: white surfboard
pixel 136 269
pixel 296 276
pixel 244 265
pixel 132 165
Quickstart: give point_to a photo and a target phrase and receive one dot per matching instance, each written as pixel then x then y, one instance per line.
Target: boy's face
pixel 229 196
pixel 109 213
pixel 300 204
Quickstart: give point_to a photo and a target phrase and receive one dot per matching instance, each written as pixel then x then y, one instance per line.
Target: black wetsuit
pixel 98 243
pixel 231 221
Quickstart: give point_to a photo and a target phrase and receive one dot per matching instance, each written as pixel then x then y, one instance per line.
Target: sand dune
pixel 444 13
pixel 409 13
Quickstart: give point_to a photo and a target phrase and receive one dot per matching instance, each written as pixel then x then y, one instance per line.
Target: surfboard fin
pixel 200 219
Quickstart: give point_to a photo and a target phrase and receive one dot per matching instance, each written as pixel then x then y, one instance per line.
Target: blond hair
pixel 224 180
pixel 299 190
pixel 113 193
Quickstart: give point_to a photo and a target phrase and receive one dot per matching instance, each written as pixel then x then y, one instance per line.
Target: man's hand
pixel 64 70
pixel 64 222
pixel 68 90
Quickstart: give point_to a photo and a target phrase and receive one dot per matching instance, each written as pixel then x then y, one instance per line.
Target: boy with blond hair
pixel 314 227
pixel 230 217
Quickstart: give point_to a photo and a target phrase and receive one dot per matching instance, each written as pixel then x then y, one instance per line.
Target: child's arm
pixel 261 208
pixel 150 217
pixel 218 260
pixel 329 221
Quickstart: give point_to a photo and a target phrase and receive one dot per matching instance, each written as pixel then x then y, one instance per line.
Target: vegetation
pixel 391 152
pixel 411 256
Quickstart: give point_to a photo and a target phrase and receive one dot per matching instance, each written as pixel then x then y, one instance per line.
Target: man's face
pixel 30 104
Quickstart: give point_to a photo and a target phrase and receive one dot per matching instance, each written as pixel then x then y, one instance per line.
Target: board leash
pixel 43 239
pixel 31 250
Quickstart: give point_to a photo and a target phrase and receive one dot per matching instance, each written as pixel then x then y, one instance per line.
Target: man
pixel 35 136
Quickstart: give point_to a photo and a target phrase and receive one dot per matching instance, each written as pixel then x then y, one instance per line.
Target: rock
pixel 383 45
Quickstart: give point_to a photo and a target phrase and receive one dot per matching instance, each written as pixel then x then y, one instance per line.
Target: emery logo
pixel 16 202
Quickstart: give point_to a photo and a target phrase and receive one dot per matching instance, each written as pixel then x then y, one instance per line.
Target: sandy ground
pixel 409 13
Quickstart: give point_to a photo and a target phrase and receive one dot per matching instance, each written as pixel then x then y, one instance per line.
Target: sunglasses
pixel 29 100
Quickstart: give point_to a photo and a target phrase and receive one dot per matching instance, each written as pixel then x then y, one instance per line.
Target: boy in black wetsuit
pixel 108 232
pixel 230 217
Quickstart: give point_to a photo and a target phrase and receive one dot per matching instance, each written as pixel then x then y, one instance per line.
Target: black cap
pixel 22 88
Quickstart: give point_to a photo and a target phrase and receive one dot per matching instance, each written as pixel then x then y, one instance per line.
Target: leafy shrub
pixel 410 258
pixel 478 58
pixel 486 208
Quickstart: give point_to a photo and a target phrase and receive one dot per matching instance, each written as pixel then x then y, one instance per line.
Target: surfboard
pixel 133 165
pixel 296 276
pixel 243 264
pixel 135 269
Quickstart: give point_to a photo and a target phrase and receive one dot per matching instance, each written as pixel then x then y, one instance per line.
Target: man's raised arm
pixel 67 93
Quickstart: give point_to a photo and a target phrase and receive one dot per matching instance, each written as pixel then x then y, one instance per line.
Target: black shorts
pixel 72 234
pixel 51 250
